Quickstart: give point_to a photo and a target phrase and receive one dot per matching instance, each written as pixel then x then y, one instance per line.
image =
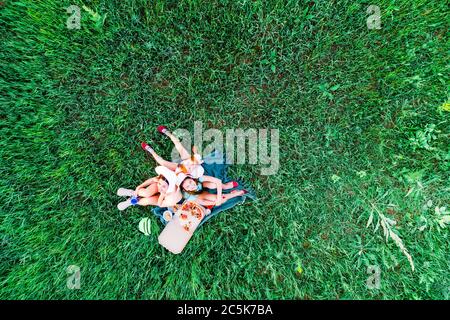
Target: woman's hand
pixel 161 199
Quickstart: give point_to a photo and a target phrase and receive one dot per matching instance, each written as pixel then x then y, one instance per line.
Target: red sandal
pixel 146 147
pixel 162 129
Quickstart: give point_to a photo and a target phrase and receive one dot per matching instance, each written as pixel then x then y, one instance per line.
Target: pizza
pixel 190 214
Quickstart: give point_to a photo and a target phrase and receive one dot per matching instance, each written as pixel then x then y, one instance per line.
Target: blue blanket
pixel 215 166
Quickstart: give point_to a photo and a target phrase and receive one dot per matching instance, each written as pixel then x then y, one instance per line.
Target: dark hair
pixel 161 177
pixel 190 192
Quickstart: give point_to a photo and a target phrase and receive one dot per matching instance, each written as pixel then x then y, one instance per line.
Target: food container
pixel 167 215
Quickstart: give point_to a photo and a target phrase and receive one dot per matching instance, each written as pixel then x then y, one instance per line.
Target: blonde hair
pixel 183 168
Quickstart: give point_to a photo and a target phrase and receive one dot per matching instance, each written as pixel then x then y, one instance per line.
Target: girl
pixel 159 191
pixel 189 165
pixel 192 190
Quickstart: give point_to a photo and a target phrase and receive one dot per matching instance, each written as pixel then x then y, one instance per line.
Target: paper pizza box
pixel 180 229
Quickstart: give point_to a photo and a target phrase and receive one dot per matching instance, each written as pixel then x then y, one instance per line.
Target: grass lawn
pixel 363 116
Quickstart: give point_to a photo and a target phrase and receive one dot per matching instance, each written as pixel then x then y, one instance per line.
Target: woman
pixel 193 190
pixel 160 191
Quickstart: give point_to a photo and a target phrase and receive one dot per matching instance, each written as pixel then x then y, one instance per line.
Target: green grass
pixel 362 131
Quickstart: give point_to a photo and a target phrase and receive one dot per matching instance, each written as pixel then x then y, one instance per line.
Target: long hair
pixel 182 168
pixel 190 192
pixel 161 177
